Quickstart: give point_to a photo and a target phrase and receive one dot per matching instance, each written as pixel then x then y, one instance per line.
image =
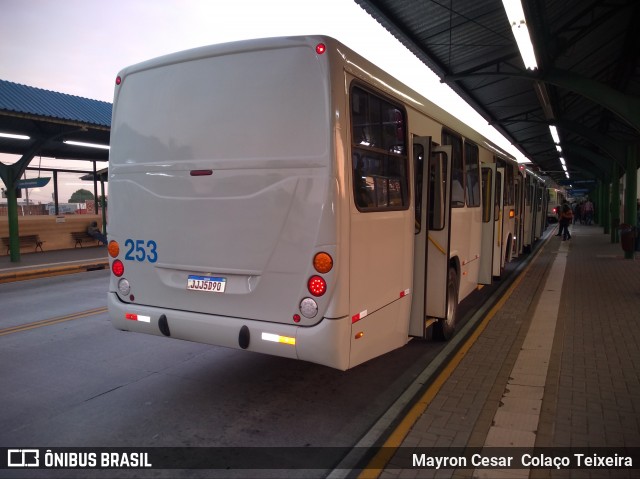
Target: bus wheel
pixel 446 328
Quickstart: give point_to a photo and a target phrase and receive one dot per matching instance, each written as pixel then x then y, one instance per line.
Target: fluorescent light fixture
pixel 559 148
pixel 88 145
pixel 554 134
pixel 515 15
pixel 562 161
pixel 13 136
pixel 566 174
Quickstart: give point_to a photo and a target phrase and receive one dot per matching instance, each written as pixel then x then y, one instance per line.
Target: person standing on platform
pixel 566 217
pixel 587 212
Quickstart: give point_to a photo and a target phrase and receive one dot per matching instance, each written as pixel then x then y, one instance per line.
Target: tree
pixel 81 196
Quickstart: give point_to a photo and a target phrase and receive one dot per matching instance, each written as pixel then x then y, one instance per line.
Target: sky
pixel 79 46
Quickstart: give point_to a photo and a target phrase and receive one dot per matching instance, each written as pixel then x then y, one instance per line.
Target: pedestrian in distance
pixel 587 212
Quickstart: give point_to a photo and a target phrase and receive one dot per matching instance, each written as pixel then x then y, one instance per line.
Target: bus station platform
pixel 53 263
pixel 554 364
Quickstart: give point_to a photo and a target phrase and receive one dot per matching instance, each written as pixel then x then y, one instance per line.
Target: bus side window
pixel 437 191
pixel 487 185
pixel 379 157
pixel 457 168
pixel 418 155
pixel 473 174
pixel 498 196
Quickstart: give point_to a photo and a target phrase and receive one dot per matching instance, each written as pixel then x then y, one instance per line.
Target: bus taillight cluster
pixel 316 285
pixel 117 268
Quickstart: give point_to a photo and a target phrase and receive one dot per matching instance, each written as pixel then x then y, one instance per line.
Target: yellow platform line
pixel 377 464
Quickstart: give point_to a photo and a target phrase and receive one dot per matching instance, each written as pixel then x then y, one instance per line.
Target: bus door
pixel 518 230
pixel 498 222
pixel 431 242
pixel 485 275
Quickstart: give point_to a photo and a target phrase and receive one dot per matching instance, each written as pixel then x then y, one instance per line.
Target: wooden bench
pixel 80 236
pixel 25 240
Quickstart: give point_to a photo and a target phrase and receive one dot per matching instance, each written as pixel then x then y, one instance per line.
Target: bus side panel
pixel 326 343
pixel 380 332
pixel 466 244
pixel 380 278
pixel 381 256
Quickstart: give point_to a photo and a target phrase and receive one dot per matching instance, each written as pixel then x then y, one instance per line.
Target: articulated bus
pixel 286 196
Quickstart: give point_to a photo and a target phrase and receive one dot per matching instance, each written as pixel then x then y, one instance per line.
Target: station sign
pixel 32 183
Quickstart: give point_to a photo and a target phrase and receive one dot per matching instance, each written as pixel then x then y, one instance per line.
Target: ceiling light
pixel 14 137
pixel 554 134
pixel 515 15
pixel 88 145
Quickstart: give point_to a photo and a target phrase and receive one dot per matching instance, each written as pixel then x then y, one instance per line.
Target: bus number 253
pixel 141 250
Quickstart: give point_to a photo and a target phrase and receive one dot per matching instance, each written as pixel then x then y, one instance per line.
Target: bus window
pixel 418 156
pixel 379 154
pixel 473 174
pixel 457 168
pixel 437 190
pixel 509 185
pixel 487 185
pixel 497 216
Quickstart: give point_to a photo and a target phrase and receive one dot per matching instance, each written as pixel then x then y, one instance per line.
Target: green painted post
pixel 615 202
pixel 598 203
pixel 104 208
pixel 605 207
pixel 631 192
pixel 12 213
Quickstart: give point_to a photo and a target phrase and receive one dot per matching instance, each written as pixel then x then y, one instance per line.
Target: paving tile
pixel 580 368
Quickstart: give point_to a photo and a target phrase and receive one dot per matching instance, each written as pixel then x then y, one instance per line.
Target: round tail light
pixel 117 268
pixel 317 285
pixel 323 262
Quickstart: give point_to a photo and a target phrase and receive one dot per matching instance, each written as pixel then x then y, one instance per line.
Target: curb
pixel 35 273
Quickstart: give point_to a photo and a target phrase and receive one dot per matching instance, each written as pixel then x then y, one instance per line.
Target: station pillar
pixel 631 192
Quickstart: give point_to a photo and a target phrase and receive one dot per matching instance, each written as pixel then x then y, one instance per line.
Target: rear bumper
pixel 325 343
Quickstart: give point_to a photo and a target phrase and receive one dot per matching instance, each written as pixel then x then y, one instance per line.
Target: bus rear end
pixel 221 175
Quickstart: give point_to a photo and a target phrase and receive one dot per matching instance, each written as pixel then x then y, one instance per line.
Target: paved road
pixel 72 380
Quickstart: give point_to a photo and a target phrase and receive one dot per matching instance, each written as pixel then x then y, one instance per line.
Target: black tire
pixel 445 329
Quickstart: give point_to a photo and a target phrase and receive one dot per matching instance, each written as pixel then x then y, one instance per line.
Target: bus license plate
pixel 210 284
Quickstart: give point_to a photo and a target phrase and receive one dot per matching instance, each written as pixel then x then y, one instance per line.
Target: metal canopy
pixel 49 118
pixel 587 82
pixel 41 121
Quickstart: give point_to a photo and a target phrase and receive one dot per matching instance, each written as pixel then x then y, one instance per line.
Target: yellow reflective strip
pixel 275 338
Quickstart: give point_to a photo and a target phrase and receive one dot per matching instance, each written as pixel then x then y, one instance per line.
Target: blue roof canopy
pixel 42 114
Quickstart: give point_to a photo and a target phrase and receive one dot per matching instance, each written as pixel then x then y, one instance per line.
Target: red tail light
pixel 317 285
pixel 117 268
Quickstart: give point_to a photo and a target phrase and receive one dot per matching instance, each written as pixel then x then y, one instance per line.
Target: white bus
pixel 288 197
pixel 534 209
pixel 555 198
